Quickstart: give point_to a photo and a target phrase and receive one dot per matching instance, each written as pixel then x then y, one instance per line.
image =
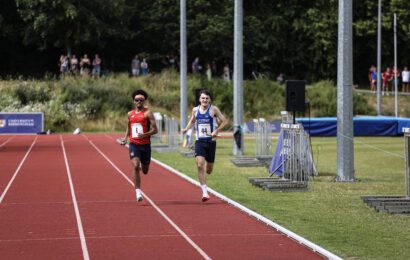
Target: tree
pixel 66 23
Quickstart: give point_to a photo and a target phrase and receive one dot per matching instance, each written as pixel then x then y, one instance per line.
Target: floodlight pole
pixel 379 57
pixel 396 110
pixel 345 149
pixel 238 79
pixel 183 65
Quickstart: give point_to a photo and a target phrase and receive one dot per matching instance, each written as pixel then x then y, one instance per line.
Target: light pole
pixel 345 150
pixel 183 65
pixel 379 57
pixel 238 146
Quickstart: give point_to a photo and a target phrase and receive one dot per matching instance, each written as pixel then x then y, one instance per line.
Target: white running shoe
pixel 139 196
pixel 205 198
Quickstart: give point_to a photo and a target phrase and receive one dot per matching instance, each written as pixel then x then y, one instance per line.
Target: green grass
pixel 332 214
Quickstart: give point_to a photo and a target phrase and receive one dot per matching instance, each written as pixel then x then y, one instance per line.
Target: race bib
pixel 136 129
pixel 204 130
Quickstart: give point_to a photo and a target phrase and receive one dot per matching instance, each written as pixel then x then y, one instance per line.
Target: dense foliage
pixel 101 105
pixel 298 38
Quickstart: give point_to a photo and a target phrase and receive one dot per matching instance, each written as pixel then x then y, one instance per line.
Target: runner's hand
pixel 123 141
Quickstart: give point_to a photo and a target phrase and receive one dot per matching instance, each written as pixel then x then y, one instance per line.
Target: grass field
pixel 332 214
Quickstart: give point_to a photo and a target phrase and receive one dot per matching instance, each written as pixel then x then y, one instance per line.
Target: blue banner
pixel 21 123
pixel 276 166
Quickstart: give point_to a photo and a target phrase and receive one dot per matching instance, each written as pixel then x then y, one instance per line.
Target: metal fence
pixel 263 137
pixel 157 138
pixel 296 153
pixel 171 132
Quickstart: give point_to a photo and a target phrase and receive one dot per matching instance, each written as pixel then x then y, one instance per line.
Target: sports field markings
pixel 175 226
pixel 77 211
pixel 17 171
pixel 141 237
pixel 8 140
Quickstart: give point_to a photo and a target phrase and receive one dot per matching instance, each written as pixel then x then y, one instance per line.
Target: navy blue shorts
pixel 141 151
pixel 206 149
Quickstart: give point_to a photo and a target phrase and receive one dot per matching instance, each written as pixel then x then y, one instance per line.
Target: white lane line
pixel 77 211
pixel 140 237
pixel 189 240
pixel 8 140
pixel 17 170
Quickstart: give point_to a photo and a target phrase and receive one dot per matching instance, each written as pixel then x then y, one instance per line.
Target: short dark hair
pixel 140 92
pixel 206 92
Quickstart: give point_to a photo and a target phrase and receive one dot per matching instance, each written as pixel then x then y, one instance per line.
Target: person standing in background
pixel 405 79
pixel 96 66
pixel 144 67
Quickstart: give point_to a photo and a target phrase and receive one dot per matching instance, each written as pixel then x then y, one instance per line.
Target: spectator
pixel 371 69
pixel 373 79
pixel 280 79
pixel 85 65
pixel 405 79
pixel 96 66
pixel 63 66
pixel 196 67
pixel 396 73
pixel 387 76
pixel 144 67
pixel 135 66
pixel 208 71
pixel 227 73
pixel 74 65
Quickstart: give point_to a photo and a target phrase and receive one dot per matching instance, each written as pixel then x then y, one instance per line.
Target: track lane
pixel 115 225
pixel 37 216
pixel 11 154
pixel 5 139
pixel 218 228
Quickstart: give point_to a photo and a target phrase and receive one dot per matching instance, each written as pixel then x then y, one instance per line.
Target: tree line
pixel 294 37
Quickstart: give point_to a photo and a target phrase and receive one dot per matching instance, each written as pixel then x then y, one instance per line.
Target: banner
pixel 21 123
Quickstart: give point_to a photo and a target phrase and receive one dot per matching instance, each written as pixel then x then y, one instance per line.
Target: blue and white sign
pixel 21 123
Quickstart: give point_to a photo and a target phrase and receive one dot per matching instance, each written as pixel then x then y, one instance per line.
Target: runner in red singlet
pixel 141 125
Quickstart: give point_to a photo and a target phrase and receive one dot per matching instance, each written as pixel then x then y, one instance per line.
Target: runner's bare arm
pixel 190 123
pixel 124 140
pixel 222 121
pixel 153 129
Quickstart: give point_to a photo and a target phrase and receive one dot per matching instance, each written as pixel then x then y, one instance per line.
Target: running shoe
pixel 205 198
pixel 139 197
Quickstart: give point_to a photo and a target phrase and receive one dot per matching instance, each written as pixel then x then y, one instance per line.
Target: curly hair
pixel 140 92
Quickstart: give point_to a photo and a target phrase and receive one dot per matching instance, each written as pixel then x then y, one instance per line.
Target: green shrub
pixel 323 101
pixel 104 102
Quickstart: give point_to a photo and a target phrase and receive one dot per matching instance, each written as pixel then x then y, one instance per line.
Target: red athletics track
pixel 38 217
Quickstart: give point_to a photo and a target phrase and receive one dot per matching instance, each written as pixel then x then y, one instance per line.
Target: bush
pixel 323 101
pixel 104 102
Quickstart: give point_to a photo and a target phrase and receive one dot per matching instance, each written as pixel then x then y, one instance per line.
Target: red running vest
pixel 138 123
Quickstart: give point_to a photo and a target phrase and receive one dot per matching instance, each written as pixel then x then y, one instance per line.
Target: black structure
pixel 295 96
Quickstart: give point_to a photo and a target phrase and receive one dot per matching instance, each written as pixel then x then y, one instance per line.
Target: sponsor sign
pixel 21 123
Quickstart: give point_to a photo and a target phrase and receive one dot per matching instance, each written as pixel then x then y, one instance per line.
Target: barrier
pixel 263 137
pixel 167 138
pixel 21 123
pixel 296 154
pixel 292 161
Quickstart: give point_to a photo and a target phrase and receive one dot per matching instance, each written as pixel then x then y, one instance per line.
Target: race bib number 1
pixel 204 130
pixel 136 129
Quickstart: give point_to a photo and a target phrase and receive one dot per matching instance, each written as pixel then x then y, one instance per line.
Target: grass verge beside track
pixel 331 214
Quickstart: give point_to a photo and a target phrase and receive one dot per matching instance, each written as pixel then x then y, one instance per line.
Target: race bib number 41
pixel 136 129
pixel 204 130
